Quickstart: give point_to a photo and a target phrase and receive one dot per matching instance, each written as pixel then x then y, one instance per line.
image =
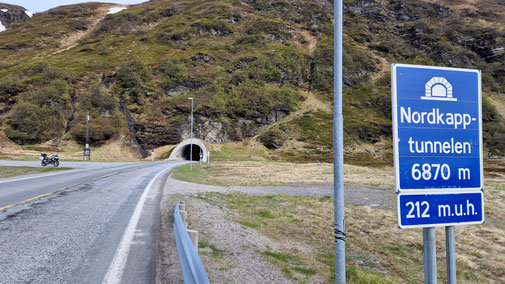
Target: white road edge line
pixel 45 175
pixel 117 266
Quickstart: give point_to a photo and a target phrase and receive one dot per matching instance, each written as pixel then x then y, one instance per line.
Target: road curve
pixel 82 226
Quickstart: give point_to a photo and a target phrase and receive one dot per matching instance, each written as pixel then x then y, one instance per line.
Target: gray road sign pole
pixel 450 254
pixel 338 146
pixel 430 256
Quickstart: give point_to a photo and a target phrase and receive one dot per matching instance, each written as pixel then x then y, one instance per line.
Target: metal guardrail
pixel 191 264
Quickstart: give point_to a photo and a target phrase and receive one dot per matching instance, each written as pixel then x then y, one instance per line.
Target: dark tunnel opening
pixel 196 152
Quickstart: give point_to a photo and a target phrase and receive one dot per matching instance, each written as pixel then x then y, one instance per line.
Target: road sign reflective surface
pixel 437 130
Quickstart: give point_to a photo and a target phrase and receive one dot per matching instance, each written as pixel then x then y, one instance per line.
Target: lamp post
pixel 87 130
pixel 191 139
pixel 87 152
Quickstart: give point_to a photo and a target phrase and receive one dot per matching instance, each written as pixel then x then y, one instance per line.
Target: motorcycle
pixel 54 159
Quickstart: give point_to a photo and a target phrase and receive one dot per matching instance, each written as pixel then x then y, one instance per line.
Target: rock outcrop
pixel 151 135
pixel 12 14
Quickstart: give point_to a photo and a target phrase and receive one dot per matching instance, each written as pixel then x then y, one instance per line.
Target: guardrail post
pixel 187 249
pixel 184 216
pixel 193 234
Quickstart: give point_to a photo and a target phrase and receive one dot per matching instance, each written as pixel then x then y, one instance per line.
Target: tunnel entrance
pixel 182 151
pixel 186 152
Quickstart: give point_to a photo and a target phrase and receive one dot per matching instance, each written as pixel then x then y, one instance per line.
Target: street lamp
pixel 191 139
pixel 201 151
pixel 87 152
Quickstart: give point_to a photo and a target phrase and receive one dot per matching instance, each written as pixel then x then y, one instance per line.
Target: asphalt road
pixel 97 224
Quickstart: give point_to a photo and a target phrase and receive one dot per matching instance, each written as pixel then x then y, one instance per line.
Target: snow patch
pixel 2 27
pixel 115 10
pixel 4 10
pixel 28 13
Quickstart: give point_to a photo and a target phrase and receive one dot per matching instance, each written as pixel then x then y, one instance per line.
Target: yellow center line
pixel 36 197
pixel 107 175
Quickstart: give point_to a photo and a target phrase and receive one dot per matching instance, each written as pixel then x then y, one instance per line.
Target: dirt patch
pixel 230 251
pixel 72 39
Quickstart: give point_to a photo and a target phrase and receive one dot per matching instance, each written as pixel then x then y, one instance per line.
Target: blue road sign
pixel 437 130
pixel 427 210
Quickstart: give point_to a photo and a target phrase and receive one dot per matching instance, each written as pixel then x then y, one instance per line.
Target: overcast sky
pixel 44 5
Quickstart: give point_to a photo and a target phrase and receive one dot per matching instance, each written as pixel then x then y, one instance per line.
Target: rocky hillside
pixel 256 68
pixel 11 15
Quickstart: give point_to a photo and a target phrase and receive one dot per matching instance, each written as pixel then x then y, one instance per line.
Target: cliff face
pixel 248 65
pixel 11 14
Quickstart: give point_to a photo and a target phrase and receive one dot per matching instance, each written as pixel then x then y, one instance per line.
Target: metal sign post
pixel 437 133
pixel 450 254
pixel 338 147
pixel 430 255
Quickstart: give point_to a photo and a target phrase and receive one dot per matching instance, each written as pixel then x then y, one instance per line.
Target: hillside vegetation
pixel 258 70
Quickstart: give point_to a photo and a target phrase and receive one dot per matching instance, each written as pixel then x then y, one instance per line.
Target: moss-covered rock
pixel 273 139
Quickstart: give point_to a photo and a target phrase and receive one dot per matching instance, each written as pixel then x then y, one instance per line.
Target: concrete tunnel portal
pixel 183 151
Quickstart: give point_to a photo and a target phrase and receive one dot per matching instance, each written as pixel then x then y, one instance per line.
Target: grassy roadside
pixel 243 173
pixel 6 172
pixel 268 172
pixel 377 251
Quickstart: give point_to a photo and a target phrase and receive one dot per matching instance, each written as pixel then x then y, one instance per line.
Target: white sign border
pixel 394 99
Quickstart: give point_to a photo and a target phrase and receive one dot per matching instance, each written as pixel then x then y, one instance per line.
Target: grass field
pixel 18 171
pixel 376 250
pixel 229 173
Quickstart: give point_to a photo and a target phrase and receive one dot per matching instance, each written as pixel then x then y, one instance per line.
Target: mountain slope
pixel 248 64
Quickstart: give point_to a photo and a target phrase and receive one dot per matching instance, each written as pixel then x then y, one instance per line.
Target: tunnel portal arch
pixel 182 151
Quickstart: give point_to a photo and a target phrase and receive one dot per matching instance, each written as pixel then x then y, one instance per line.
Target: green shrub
pixel 315 128
pixel 31 124
pixel 101 129
pixel 322 66
pixel 132 78
pixel 251 97
pixel 277 29
pixel 285 66
pixel 119 24
pixel 97 100
pixel 215 27
pixel 174 72
pixel 42 111
pixel 489 112
pixel 493 128
pixel 9 88
pixel 251 39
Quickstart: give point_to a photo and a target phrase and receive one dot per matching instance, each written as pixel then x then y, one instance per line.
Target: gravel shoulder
pixel 354 194
pixel 231 251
